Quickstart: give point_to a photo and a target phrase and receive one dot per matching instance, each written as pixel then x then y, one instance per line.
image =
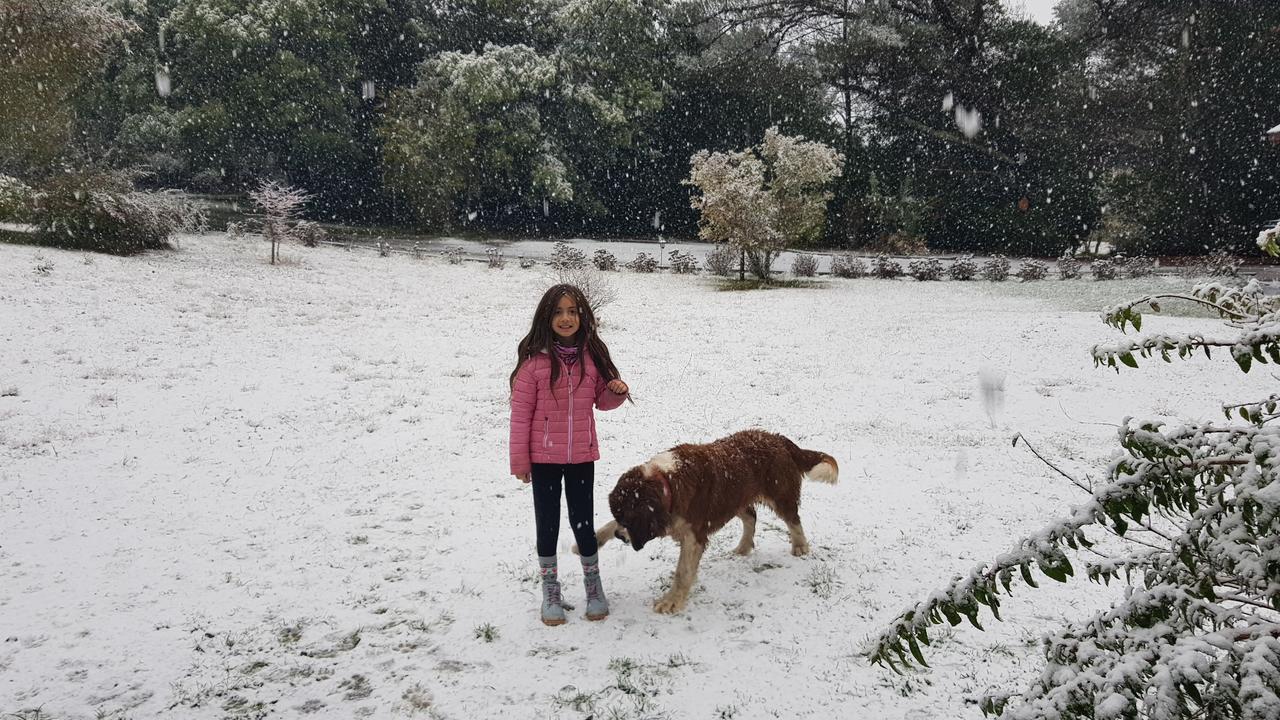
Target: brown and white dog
pixel 691 491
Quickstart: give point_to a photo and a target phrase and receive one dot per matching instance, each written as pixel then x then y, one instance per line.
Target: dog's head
pixel 636 503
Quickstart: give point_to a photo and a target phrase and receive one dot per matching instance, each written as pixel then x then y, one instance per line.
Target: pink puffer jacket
pixel 559 427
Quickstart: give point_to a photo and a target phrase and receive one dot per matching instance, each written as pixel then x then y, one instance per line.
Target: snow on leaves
pixel 1196 509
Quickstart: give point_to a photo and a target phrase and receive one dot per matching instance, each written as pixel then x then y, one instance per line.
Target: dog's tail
pixel 817 466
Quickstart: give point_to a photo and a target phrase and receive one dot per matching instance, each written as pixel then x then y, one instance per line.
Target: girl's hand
pixel 523 478
pixel 617 387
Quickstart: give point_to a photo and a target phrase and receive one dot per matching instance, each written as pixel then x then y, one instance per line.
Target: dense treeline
pixel 1136 122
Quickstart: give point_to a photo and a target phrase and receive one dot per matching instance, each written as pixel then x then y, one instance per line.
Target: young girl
pixel 562 370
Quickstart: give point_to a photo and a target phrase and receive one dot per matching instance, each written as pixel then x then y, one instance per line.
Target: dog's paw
pixel 799 550
pixel 668 605
pixel 744 549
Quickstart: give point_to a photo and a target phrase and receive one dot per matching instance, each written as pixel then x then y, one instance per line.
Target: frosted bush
pixel 567 257
pixel 1030 270
pixel 1135 267
pixel 804 265
pixel 643 263
pixel 925 269
pixel 996 269
pixel 1069 268
pixel 683 263
pixel 884 268
pixel 604 260
pixel 848 265
pixel 310 234
pixel 722 260
pixel 1221 264
pixel 495 258
pixel 1103 270
pixel 963 268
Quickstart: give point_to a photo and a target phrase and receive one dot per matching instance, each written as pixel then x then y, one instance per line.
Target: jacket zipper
pixel 569 458
pixel 546 432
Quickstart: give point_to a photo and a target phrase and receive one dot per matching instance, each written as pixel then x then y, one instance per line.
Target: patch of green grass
pixel 357 687
pixel 822 580
pixel 290 634
pixel 576 700
pixel 486 632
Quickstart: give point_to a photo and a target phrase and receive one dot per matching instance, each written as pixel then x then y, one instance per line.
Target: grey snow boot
pixel 552 610
pixel 597 603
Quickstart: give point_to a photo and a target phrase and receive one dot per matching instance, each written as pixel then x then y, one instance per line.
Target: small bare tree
pixel 279 205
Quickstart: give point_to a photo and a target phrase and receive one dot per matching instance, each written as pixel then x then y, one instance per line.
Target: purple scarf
pixel 568 355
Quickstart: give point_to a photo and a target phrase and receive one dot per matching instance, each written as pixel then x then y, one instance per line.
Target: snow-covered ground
pixel 232 489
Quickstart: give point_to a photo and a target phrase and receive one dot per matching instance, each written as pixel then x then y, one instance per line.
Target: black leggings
pixel 578 481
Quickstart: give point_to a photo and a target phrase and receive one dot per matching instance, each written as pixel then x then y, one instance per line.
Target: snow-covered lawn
pixel 232 489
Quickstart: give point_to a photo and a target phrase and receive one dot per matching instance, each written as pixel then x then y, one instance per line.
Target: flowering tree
pixel 765 197
pixel 1196 509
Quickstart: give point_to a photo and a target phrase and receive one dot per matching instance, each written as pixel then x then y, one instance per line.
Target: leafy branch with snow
pixel 1194 514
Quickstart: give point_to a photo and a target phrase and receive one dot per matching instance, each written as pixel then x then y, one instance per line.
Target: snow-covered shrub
pixel 721 259
pixel 1221 264
pixel 996 269
pixel 963 268
pixel 1139 266
pixel 925 269
pixel 310 234
pixel 848 265
pixel 567 257
pixel 237 229
pixel 1192 512
pixel 1103 269
pixel 643 263
pixel 495 259
pixel 526 263
pixel 884 268
pixel 804 265
pixel 764 197
pixel 1031 270
pixel 604 260
pixel 683 263
pixel 100 212
pixel 453 254
pixel 1269 239
pixel 1069 268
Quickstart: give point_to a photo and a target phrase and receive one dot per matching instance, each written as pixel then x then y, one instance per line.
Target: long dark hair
pixel 541 337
